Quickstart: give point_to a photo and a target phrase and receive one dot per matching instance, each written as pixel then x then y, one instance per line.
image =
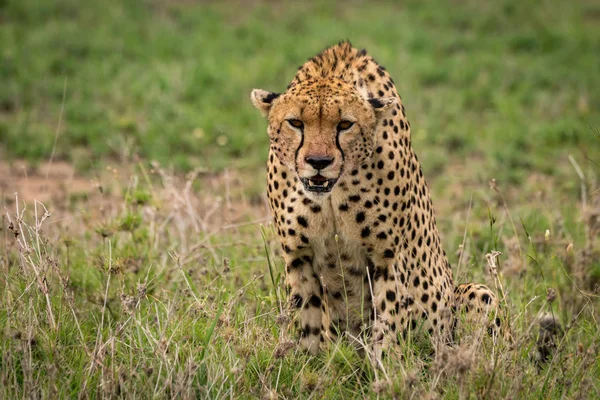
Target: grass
pixel 164 280
pixel 170 81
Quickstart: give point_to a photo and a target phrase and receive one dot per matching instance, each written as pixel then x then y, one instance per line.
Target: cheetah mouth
pixel 318 184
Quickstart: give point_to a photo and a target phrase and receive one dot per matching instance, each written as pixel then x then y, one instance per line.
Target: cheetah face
pixel 320 129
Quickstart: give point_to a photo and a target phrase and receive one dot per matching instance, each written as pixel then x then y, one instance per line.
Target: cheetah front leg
pixel 306 295
pixel 387 293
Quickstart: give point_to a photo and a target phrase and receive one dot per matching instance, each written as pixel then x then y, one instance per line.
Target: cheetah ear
pixel 382 104
pixel 263 100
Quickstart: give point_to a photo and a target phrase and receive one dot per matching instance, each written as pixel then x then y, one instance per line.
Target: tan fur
pixel 365 257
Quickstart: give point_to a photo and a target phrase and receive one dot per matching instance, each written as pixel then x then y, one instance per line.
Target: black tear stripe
pixel 337 144
pixel 299 146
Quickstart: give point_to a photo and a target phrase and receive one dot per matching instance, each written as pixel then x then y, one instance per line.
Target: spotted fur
pixel 364 255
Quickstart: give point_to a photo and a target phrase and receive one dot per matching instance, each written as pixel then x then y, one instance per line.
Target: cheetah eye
pixel 296 123
pixel 344 125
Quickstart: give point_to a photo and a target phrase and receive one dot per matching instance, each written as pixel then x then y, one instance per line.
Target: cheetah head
pixel 321 129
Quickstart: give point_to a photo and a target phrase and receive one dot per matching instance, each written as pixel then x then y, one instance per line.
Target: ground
pixel 157 271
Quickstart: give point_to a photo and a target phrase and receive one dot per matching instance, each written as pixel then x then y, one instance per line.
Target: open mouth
pixel 318 184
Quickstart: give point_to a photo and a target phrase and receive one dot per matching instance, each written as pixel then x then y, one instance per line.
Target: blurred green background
pixel 514 83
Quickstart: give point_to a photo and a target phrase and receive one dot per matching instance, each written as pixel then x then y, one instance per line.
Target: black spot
pixel 388 253
pixel 381 272
pixel 486 298
pixel 365 232
pixel 376 103
pixel 296 301
pixel 355 198
pixel 270 97
pixel 360 217
pixel 315 301
pixel 306 330
pixel 343 207
pixel 390 295
pixel 302 221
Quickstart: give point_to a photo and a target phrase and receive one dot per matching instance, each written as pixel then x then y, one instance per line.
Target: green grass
pixel 149 296
pixel 171 82
pixel 160 285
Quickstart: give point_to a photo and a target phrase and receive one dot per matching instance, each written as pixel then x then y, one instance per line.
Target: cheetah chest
pixel 343 268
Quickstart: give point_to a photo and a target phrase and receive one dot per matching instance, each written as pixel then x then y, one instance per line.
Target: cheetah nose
pixel 319 162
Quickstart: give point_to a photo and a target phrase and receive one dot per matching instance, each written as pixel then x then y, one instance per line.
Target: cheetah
pixel 352 209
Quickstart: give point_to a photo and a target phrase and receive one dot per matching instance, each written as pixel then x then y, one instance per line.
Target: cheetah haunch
pixel 352 208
